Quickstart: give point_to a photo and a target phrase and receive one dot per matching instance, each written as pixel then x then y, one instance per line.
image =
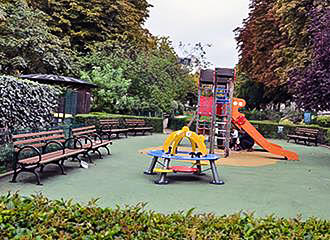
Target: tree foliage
pixel 155 78
pixel 105 41
pixel 257 40
pixel 26 44
pixel 85 23
pixel 112 95
pixel 278 48
pixel 311 83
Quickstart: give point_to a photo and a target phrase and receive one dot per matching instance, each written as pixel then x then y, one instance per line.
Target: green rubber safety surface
pixel 285 189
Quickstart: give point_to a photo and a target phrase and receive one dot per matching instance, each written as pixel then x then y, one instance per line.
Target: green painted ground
pixel 285 189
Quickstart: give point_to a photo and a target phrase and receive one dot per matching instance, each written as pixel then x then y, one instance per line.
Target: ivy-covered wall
pixel 26 104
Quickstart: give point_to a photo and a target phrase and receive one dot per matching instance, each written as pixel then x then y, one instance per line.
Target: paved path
pixel 286 189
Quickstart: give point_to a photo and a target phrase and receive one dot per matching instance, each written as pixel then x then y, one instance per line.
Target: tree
pixel 84 23
pixel 276 47
pixel 112 93
pixel 26 44
pixel 310 83
pixel 293 21
pixel 156 79
pixel 257 40
pixel 251 91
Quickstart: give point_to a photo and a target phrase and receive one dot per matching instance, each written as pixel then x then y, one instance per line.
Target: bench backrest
pixel 135 122
pixel 76 132
pixel 307 131
pixel 109 123
pixel 37 139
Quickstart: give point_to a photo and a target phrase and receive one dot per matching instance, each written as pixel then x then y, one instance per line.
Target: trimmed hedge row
pixel 93 118
pixel 267 128
pixel 270 130
pixel 37 217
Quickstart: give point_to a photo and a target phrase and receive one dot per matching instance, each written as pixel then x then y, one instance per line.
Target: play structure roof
pixel 56 79
pixel 222 74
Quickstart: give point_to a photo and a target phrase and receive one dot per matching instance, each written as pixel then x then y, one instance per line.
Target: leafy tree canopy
pixel 281 46
pixel 84 23
pixel 27 45
pixel 154 78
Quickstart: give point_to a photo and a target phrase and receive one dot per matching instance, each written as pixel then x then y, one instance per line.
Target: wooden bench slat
pixel 26 135
pixel 84 132
pixel 304 134
pixel 82 128
pixel 32 140
pixel 52 156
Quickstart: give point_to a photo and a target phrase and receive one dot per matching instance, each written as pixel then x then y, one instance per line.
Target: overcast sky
pixel 205 21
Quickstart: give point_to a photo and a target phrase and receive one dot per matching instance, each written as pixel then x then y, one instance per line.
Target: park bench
pixel 112 127
pixel 33 151
pixel 306 135
pixel 91 141
pixel 137 125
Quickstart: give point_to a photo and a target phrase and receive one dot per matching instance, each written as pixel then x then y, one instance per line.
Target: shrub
pixel 323 121
pixel 267 128
pixel 93 119
pixel 6 155
pixel 263 115
pixel 270 130
pixel 37 217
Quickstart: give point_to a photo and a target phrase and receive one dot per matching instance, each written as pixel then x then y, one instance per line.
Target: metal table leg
pixel 162 179
pixel 216 180
pixel 152 165
pixel 199 173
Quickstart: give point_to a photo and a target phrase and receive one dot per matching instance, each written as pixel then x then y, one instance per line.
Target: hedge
pixel 269 129
pixel 323 121
pixel 93 118
pixel 37 217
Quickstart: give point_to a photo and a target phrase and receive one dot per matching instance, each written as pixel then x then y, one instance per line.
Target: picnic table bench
pixel 112 126
pixel 91 141
pixel 34 151
pixel 137 125
pixel 306 135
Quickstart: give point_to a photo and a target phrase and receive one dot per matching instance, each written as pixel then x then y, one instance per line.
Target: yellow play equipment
pixel 174 139
pixel 198 156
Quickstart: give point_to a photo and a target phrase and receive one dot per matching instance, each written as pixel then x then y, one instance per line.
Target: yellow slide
pixel 241 122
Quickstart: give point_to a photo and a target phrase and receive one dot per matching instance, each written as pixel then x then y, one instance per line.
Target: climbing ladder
pixel 220 114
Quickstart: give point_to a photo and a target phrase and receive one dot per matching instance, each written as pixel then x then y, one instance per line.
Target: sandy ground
pixel 243 159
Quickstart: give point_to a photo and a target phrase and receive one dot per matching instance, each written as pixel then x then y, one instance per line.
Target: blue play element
pixel 222 101
pixel 161 154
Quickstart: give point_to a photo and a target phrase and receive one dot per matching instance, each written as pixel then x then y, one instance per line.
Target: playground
pixel 265 179
pixel 286 188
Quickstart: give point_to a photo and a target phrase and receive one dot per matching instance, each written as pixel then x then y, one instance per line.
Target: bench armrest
pixel 96 136
pixel 84 138
pixel 108 134
pixel 75 141
pixel 44 148
pixel 28 147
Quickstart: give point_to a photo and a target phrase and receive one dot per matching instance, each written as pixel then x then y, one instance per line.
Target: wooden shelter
pixel 76 100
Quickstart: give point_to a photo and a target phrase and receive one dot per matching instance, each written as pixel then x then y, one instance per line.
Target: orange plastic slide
pixel 241 122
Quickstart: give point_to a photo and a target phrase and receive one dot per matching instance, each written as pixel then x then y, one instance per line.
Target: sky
pixel 205 21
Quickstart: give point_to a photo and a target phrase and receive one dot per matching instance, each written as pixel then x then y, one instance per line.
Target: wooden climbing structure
pixel 214 112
